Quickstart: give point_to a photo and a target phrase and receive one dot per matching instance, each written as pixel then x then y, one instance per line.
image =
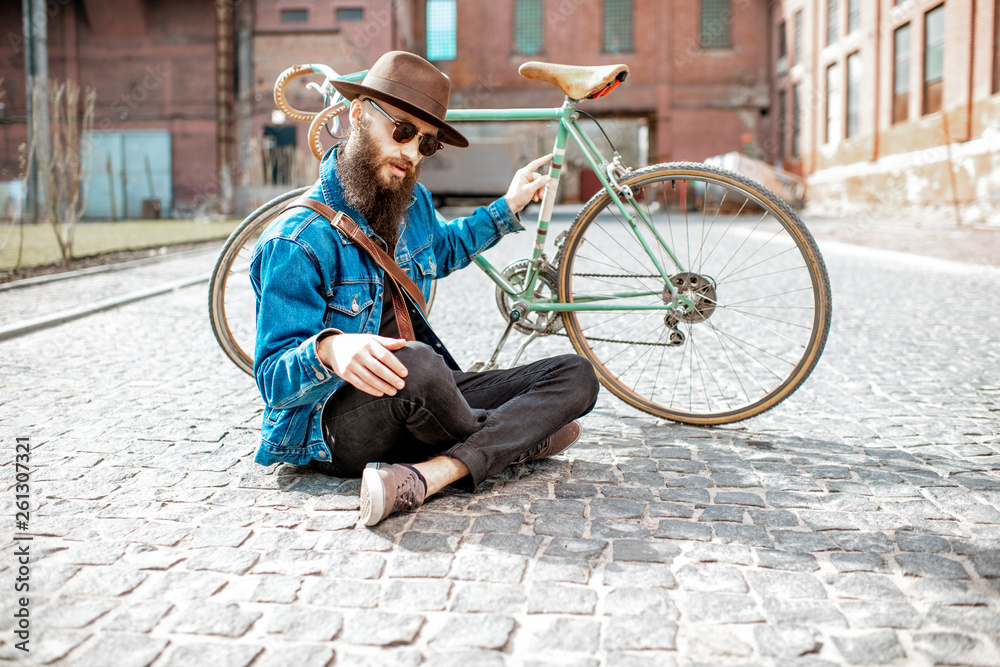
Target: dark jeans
pixel 485 420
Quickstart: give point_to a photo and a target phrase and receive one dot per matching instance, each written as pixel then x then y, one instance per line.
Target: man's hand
pixel 365 361
pixel 527 186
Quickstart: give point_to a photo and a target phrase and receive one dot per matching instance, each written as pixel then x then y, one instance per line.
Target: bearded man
pixel 344 393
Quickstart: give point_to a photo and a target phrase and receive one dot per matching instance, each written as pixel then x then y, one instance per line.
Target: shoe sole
pixel 372 496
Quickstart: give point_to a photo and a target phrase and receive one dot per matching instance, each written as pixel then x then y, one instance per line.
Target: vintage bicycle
pixel 698 295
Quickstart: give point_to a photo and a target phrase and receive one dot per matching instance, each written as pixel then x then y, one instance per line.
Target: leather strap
pixel 396 279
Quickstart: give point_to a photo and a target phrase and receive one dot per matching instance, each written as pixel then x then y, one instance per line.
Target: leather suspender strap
pixel 396 279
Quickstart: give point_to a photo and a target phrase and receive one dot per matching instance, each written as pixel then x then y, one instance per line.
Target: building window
pixel 346 14
pixel 294 15
pixel 441 29
pixel 796 120
pixel 933 59
pixel 716 18
pixel 853 15
pixel 853 94
pixel 528 26
pixel 617 25
pixel 834 106
pixel 831 22
pixel 996 50
pixel 782 41
pixel 782 122
pixel 901 74
pixel 797 39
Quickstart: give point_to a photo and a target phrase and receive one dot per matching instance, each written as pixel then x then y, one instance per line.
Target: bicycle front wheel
pixel 758 284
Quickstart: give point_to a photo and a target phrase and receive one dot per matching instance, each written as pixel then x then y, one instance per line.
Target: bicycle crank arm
pixel 515 314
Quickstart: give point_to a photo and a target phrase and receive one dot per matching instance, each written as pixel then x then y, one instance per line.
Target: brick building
pixel 880 100
pixel 888 101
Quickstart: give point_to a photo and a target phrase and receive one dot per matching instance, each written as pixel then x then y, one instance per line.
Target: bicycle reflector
pixel 608 88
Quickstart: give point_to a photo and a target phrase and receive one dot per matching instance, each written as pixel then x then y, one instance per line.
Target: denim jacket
pixel 310 281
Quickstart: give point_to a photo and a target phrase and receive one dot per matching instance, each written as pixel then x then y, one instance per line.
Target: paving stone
pixel 564 635
pixel 923 543
pixel 795 540
pixel 774 518
pixel 869 614
pixel 803 612
pixel 617 530
pixel 497 523
pixel 785 585
pixel 626 573
pixel 211 618
pixel 783 499
pixel 867 542
pixel 865 586
pixel 488 631
pixel 421 595
pixel 489 598
pixel 222 559
pixel 683 530
pixel 344 593
pixel 787 641
pixel 562 569
pixel 575 548
pixel 859 562
pixel 462 658
pixel 711 578
pixel 72 613
pixel 557 598
pixel 110 581
pixel 420 565
pixel 305 623
pixel 640 550
pixel 195 655
pixel 373 627
pixel 754 536
pixel 787 560
pixel 560 507
pixel 276 588
pixel 139 616
pixel 413 541
pixel 714 513
pixel 129 650
pixel 670 510
pixel 489 566
pixel 721 553
pixel 987 564
pixel 523 545
pixel 300 656
pixel 624 633
pixel 738 498
pixel 876 648
pixel 966 619
pixel 616 508
pixel 685 495
pixel 930 565
pixel 575 490
pixel 944 647
pixel 560 526
pixel 947 592
pixel 640 601
pixel 723 608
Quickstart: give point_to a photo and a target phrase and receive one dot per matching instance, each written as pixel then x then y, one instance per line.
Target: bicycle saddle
pixel 576 81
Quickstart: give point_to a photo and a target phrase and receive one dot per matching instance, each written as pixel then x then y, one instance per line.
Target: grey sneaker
pixel 387 488
pixel 553 444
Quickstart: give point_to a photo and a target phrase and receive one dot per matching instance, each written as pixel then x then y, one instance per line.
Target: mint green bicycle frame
pixel 567 117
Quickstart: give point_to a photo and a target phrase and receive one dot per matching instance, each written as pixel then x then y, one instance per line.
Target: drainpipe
pixel 244 68
pixel 37 69
pixel 876 134
pixel 223 102
pixel 972 67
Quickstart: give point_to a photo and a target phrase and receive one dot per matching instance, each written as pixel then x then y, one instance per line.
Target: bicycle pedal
pixel 476 367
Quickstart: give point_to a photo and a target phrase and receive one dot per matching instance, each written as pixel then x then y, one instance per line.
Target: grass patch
pixel 97 238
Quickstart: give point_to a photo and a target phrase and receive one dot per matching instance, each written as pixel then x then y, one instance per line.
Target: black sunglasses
pixel 404 132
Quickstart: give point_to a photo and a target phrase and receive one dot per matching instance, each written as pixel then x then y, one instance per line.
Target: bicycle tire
pixel 231 303
pixel 754 272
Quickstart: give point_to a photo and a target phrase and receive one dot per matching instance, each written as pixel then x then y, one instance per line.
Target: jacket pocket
pixel 350 307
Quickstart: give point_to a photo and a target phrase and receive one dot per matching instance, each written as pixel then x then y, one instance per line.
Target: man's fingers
pixel 382 352
pixel 371 383
pixel 536 163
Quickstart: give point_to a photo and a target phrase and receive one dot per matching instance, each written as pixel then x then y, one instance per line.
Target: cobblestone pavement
pixel 856 523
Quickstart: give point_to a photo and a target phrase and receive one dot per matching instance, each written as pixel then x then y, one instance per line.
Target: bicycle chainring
pixel 544 323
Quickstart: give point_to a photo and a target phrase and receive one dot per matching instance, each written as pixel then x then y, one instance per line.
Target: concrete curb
pixel 31 326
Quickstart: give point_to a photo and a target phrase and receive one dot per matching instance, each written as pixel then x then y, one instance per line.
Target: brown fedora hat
pixel 412 84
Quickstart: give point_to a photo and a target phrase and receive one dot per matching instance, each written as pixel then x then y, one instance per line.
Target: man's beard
pixel 360 169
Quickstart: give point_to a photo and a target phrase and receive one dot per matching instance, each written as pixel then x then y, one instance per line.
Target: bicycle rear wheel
pixel 232 306
pixel 759 285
